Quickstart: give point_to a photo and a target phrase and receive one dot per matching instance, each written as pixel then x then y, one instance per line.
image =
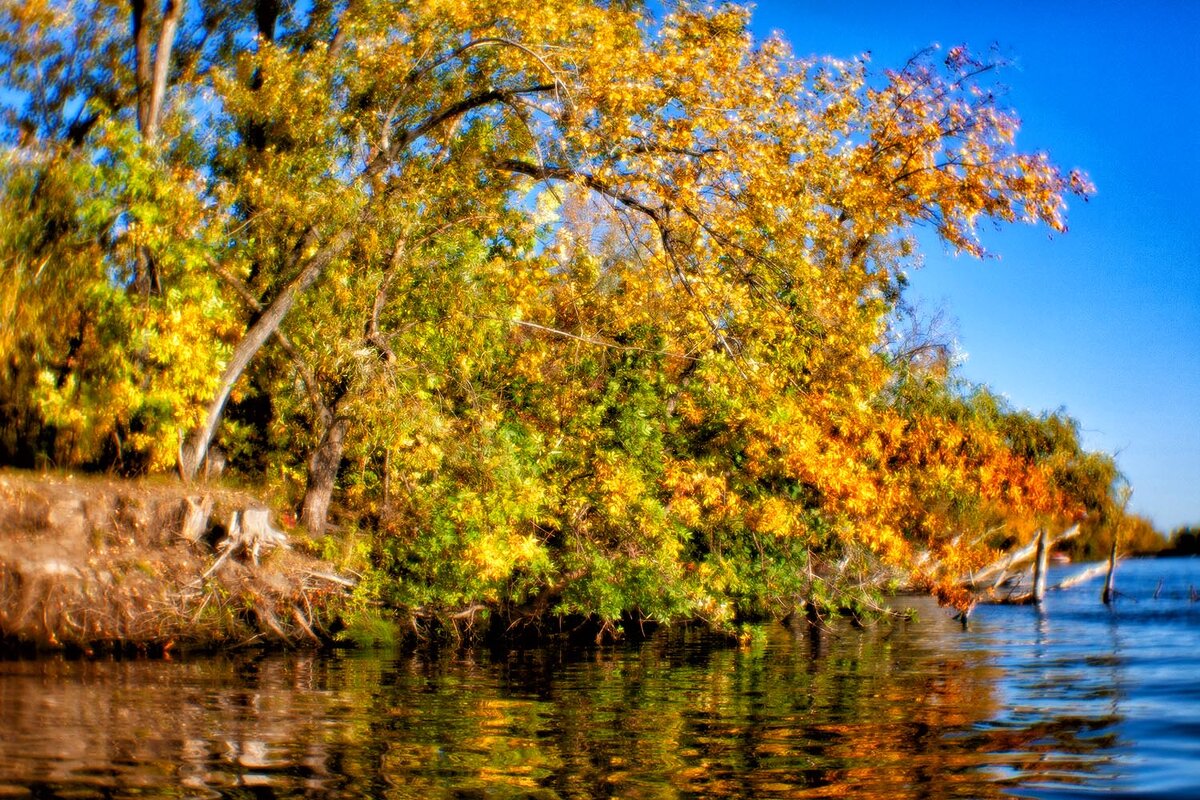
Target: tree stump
pixel 196 511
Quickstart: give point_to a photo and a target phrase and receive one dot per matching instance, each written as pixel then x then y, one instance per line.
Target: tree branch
pixel 172 11
pixel 570 175
pixel 143 69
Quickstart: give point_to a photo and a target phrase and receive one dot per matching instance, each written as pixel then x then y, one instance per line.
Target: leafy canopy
pixel 576 308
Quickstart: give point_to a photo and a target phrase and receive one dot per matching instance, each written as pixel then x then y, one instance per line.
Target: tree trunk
pixel 1040 566
pixel 172 11
pixel 1110 590
pixel 144 69
pixel 192 456
pixel 322 473
pixel 152 70
pixel 266 14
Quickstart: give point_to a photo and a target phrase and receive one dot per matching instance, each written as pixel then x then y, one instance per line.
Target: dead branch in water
pixel 976 579
pixel 1081 577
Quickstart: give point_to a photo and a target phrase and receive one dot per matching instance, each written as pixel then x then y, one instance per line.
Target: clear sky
pixel 1103 321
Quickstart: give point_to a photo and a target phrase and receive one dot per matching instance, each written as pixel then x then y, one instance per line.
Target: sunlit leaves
pixel 121 369
pixel 600 299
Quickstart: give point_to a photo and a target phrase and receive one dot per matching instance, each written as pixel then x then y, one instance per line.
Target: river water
pixel 1075 700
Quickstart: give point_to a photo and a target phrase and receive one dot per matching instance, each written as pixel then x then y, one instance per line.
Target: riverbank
pixel 1068 701
pixel 94 564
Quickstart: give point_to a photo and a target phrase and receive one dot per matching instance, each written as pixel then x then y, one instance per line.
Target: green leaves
pixel 123 316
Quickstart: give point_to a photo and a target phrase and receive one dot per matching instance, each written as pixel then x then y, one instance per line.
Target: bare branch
pixel 388 154
pixel 569 175
pixel 416 74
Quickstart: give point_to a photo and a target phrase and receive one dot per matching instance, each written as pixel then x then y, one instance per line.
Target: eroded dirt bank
pixel 90 564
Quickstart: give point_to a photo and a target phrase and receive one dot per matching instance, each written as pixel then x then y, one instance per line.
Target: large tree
pixel 187 183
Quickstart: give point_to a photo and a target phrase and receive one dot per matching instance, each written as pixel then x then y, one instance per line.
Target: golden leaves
pixel 600 279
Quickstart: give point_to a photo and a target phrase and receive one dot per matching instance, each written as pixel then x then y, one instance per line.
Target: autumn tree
pixel 589 308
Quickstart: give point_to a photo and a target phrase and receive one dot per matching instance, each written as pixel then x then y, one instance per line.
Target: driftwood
pixel 1041 566
pixel 1110 592
pixel 998 569
pixel 1080 577
pixel 338 579
pixel 987 580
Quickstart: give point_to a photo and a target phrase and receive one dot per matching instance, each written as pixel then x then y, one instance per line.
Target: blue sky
pixel 1103 321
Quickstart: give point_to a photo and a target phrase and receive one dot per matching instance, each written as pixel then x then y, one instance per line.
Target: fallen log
pixel 1080 577
pixel 977 578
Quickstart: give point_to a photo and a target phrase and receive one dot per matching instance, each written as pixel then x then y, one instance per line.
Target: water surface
pixel 1076 700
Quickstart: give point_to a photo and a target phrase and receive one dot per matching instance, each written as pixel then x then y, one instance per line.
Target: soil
pixel 94 564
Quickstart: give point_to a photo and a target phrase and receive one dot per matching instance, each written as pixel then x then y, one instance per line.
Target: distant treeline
pixel 1184 541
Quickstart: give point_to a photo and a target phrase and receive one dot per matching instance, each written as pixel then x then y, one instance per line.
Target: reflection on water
pixel 1077 700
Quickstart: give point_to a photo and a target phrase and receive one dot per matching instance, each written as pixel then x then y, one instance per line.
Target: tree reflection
pixel 894 712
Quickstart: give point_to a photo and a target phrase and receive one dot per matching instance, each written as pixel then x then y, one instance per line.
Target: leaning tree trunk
pixel 322 473
pixel 192 454
pixel 310 267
